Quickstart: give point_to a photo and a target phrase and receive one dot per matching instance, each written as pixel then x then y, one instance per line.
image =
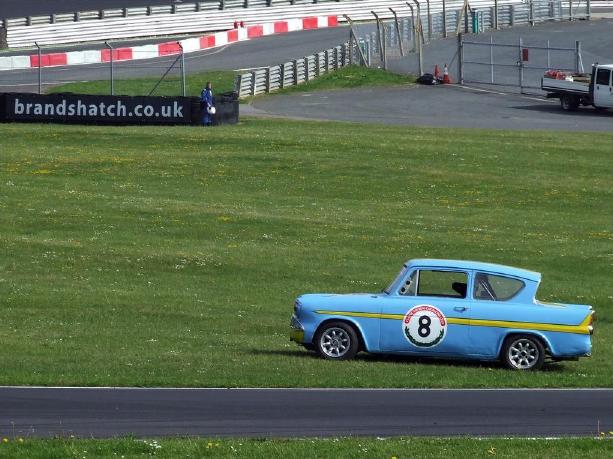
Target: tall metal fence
pixel 386 40
pixel 513 64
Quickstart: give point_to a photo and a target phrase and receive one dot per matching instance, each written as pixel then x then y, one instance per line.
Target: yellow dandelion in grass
pixel 20 440
pixel 5 440
pixel 492 451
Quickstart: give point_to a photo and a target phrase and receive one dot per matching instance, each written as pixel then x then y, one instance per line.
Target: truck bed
pixel 574 87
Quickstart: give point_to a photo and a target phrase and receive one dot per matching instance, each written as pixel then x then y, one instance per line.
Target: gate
pixel 513 64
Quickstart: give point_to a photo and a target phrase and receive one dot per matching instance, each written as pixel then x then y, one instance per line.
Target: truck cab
pixel 601 86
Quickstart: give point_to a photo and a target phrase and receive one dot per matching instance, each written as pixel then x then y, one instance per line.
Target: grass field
pixel 223 81
pixel 400 448
pixel 171 256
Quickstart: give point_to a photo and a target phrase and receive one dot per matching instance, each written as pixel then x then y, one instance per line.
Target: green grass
pixel 398 448
pixel 171 256
pixel 350 77
pixel 222 81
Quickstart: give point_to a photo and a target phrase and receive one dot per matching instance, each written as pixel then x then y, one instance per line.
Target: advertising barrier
pixel 113 110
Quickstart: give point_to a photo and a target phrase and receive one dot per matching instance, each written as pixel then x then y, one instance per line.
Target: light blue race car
pixel 447 309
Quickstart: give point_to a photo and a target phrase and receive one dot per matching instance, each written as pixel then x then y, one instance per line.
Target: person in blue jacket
pixel 206 103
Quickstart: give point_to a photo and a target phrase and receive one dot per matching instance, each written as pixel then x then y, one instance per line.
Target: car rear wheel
pixel 337 341
pixel 569 103
pixel 523 352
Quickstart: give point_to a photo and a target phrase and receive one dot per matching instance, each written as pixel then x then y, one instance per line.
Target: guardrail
pixel 126 27
pixel 291 73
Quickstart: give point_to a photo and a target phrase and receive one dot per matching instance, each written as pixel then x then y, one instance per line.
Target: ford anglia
pixel 447 309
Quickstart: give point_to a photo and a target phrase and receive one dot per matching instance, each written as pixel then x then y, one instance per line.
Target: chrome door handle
pixel 460 308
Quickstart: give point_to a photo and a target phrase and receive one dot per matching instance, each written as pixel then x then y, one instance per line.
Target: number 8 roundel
pixel 424 326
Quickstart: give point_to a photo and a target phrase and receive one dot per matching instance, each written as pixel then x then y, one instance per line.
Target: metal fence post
pixel 460 58
pixel 578 56
pixel 40 68
pixel 520 64
pixel 183 82
pixel 254 83
pixel 511 15
pixel 295 63
pixel 548 56
pixel 112 76
pixel 282 76
pixel 492 59
pixel 531 13
pixel 317 64
pixel 335 52
pixel 327 60
pixel 398 32
pixel 429 20
pixel 306 68
pixel 413 26
pixel 588 7
pixel 496 14
pixel 444 20
pixel 267 79
pixel 570 10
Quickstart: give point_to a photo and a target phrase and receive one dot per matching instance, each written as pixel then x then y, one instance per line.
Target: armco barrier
pixel 168 48
pixel 111 110
pixel 203 21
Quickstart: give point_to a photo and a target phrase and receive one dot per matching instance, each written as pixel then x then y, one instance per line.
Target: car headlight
pixel 297 306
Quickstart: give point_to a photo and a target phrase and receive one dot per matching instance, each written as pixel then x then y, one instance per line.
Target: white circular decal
pixel 424 326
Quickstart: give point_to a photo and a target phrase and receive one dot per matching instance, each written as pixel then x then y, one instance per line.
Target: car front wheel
pixel 523 352
pixel 337 341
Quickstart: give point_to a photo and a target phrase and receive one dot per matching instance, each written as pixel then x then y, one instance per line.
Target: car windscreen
pixel 400 275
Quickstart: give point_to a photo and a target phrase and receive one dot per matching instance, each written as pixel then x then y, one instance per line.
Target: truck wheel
pixel 569 103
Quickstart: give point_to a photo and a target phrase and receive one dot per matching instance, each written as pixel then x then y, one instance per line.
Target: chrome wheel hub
pixel 523 354
pixel 335 342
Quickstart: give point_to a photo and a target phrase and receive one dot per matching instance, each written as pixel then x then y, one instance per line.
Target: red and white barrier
pixel 189 45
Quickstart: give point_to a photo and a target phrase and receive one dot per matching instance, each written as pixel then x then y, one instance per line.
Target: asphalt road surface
pixel 444 105
pixel 262 52
pixel 101 413
pixel 23 8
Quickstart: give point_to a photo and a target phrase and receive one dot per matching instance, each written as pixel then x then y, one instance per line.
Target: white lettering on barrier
pixel 116 110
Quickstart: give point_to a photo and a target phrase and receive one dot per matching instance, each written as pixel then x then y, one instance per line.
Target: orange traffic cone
pixel 446 78
pixel 437 72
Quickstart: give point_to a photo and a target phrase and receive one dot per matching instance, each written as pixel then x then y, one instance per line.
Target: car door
pixel 494 309
pixel 428 314
pixel 603 90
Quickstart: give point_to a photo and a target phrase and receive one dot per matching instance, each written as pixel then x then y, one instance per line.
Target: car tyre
pixel 337 341
pixel 569 103
pixel 523 353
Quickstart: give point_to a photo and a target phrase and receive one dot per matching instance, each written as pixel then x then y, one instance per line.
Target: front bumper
pixel 296 333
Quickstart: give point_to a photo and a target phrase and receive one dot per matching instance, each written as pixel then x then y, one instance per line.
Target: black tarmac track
pixel 101 413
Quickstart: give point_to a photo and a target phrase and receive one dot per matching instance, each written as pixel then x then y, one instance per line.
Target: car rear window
pixel 496 288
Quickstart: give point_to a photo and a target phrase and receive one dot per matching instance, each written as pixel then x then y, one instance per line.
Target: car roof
pixel 476 266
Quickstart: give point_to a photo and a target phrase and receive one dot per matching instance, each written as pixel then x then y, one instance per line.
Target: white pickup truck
pixel 575 89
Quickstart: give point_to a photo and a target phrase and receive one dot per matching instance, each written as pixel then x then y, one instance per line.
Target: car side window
pixel 603 76
pixel 496 288
pixel 450 284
